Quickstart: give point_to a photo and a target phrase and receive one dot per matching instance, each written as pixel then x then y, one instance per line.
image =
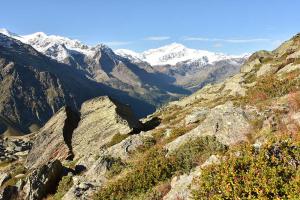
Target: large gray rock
pixel 53 141
pixel 130 144
pixel 181 185
pixel 95 176
pixel 229 124
pixel 101 119
pixel 196 116
pixel 289 68
pixel 266 69
pixel 43 181
pixel 234 86
pixel 81 189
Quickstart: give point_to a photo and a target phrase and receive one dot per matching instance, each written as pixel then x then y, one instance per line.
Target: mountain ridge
pixel 175 53
pixel 34 87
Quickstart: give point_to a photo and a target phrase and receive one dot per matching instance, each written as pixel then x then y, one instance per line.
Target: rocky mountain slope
pixel 102 65
pixel 146 75
pixel 34 87
pixel 235 139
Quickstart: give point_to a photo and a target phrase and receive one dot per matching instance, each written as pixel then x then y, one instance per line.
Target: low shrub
pixel 272 172
pixel 116 166
pixel 157 168
pixel 64 185
pixel 177 132
pixel 145 174
pixel 193 153
pixel 117 138
pixel 270 86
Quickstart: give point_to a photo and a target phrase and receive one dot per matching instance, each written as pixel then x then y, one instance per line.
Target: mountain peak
pixel 39 34
pixel 172 54
pixel 7 32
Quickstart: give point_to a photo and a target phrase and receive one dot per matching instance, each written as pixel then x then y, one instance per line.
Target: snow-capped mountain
pixel 145 75
pixel 191 68
pixel 57 47
pixel 100 64
pixel 173 54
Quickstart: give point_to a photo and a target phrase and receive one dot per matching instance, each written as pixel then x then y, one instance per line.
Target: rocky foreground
pixel 231 140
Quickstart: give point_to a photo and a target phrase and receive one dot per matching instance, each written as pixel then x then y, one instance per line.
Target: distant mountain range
pixel 173 54
pixel 40 73
pixel 191 68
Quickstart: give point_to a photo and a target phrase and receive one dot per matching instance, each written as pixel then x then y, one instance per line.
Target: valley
pixel 246 124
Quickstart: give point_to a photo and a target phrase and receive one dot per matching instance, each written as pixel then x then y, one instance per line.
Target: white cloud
pixel 117 43
pixel 218 45
pixel 157 38
pixel 251 40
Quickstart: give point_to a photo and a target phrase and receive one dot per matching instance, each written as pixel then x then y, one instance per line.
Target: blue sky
pixel 229 26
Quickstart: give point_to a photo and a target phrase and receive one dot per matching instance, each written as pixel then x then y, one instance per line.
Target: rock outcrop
pixel 71 133
pixel 34 87
pixel 43 181
pixel 101 119
pixel 53 141
pixel 12 149
pixel 227 123
pixel 198 115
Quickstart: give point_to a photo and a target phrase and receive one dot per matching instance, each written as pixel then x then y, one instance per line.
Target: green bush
pixel 64 185
pixel 116 167
pixel 272 172
pixel 177 132
pixel 193 153
pixel 155 167
pixel 270 86
pixel 148 142
pixel 117 138
pixel 145 174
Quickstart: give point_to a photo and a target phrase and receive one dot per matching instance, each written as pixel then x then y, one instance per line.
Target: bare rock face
pixel 53 141
pixel 69 133
pixel 196 116
pixel 101 119
pixel 130 144
pixel 227 123
pixel 43 180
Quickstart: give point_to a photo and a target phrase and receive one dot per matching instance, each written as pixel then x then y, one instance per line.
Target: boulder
pixel 249 66
pixel 130 144
pixel 101 119
pixel 81 190
pixel 289 68
pixel 228 124
pixel 234 86
pixel 266 69
pixel 196 116
pixel 181 185
pixel 212 160
pixel 43 181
